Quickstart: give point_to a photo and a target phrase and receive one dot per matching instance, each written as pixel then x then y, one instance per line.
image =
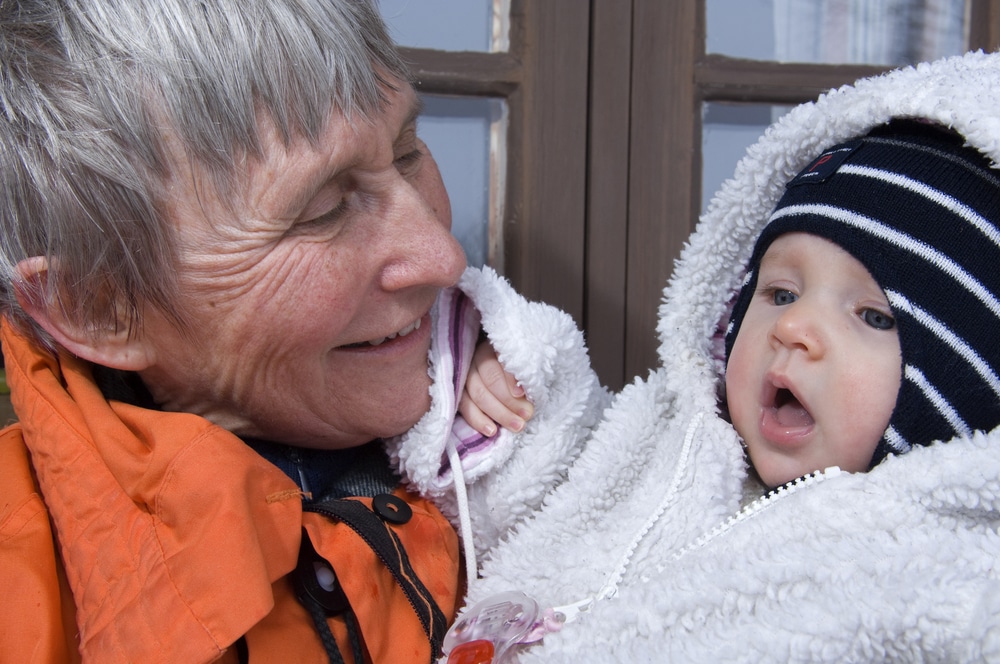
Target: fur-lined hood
pixel 962 93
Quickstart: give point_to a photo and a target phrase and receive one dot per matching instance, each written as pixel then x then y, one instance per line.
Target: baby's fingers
pixel 492 400
pixel 475 417
pixel 486 368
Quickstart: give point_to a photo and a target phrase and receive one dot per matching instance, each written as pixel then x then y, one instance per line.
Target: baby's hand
pixel 492 396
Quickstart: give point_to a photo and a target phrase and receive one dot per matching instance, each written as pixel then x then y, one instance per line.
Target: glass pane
pixel 727 131
pixel 460 132
pixel 740 28
pixel 888 32
pixel 447 25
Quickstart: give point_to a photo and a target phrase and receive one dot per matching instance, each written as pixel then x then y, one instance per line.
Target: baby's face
pixel 815 369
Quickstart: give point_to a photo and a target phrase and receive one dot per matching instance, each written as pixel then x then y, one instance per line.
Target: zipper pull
pixel 568 613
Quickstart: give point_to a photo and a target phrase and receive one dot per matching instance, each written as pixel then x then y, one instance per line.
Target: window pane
pixel 889 32
pixel 447 25
pixel 740 28
pixel 727 131
pixel 460 133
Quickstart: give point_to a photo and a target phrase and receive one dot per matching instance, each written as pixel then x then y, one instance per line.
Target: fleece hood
pixel 959 93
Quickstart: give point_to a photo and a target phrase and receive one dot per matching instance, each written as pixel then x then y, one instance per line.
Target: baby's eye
pixel 781 297
pixel 878 319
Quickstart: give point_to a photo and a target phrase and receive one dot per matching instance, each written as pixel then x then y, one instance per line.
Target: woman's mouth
pixel 415 325
pixel 409 329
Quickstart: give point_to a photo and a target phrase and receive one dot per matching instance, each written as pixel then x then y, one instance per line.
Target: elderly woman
pixel 227 269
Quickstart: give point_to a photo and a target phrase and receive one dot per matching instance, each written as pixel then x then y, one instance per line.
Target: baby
pixel 840 501
pixel 815 359
pixel 889 228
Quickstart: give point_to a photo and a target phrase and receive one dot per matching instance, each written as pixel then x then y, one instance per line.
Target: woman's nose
pixel 424 252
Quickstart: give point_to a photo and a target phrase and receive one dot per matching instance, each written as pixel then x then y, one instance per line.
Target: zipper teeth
pixel 758 506
pixel 333 515
pixel 610 587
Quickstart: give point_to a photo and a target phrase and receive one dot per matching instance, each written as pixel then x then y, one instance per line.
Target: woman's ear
pixel 112 347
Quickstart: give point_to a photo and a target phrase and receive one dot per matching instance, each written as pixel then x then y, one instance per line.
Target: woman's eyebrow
pixel 308 190
pixel 416 108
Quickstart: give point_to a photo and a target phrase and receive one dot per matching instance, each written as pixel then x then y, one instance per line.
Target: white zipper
pixel 758 506
pixel 569 612
pixel 481 623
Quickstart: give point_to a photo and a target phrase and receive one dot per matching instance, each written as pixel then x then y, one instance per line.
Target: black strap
pixel 242 652
pixel 323 600
pixel 319 616
pixel 386 545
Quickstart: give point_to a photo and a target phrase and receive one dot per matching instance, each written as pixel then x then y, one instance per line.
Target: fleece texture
pixel 508 475
pixel 662 523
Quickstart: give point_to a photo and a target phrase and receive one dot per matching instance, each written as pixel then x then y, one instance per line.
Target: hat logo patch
pixel 825 165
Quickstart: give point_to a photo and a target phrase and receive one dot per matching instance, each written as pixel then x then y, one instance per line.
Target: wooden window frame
pixel 604 162
pixel 543 80
pixel 671 77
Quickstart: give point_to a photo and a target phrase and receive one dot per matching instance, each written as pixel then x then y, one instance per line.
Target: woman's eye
pixel 336 213
pixel 878 319
pixel 325 219
pixel 781 297
pixel 406 163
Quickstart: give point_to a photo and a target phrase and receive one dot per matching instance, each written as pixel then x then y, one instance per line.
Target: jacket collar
pixel 162 518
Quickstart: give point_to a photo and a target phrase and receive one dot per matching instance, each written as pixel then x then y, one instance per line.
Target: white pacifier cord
pixel 464 520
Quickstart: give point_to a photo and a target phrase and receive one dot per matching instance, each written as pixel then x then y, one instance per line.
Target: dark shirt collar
pixel 320 474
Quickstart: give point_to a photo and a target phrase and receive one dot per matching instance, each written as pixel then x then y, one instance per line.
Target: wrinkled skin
pixel 333 245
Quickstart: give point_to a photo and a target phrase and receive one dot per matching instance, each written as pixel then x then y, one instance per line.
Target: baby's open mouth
pixel 788 411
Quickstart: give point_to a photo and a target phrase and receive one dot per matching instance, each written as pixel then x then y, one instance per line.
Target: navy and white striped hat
pixel 921 212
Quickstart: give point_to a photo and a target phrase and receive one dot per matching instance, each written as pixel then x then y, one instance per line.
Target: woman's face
pixel 308 306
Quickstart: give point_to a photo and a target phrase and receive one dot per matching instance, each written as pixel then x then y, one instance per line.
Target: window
pixel 467 135
pixel 602 113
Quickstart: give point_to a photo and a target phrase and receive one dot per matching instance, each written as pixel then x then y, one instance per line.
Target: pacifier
pixel 489 629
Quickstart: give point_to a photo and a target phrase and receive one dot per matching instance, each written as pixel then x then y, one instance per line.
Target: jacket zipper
pixel 758 506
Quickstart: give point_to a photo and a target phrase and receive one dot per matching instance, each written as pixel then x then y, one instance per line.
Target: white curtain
pixel 883 32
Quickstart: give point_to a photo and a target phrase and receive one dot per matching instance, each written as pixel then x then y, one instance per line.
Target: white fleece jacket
pixel 898 564
pixel 508 475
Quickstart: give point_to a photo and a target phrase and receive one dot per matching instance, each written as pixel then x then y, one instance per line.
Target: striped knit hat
pixel 921 212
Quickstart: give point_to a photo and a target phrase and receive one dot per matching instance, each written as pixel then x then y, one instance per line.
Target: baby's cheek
pixel 736 391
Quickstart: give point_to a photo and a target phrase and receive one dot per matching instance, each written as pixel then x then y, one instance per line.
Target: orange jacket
pixel 131 535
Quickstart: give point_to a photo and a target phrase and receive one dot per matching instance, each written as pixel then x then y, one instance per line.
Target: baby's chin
pixel 774 471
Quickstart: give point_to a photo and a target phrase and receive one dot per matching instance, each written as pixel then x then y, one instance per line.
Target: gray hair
pixel 90 89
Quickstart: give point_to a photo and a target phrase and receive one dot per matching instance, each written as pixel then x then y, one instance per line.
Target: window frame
pixel 603 182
